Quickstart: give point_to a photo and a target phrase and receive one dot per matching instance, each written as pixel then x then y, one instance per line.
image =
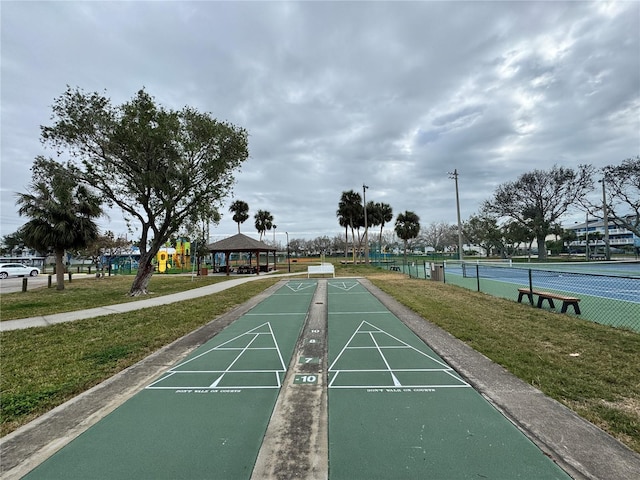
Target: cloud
pixel 337 94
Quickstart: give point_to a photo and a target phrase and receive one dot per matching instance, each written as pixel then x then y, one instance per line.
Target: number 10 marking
pixel 306 379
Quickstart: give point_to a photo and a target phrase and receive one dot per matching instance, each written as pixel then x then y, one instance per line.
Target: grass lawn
pixel 43 367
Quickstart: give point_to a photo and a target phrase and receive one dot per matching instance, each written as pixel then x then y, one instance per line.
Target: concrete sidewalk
pixel 47 320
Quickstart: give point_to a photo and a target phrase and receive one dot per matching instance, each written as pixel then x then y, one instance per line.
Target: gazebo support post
pixel 226 256
pixel 258 262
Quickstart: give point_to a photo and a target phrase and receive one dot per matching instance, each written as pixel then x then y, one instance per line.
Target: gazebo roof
pixel 239 243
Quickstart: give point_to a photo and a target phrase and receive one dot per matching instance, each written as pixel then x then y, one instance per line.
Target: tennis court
pixel 610 297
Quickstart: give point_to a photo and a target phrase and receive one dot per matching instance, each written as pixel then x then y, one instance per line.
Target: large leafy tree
pixel 513 235
pixel 439 235
pixel 263 222
pixel 105 245
pixel 157 165
pixel 10 242
pixel 240 210
pixel 537 199
pixel 482 229
pixel 407 227
pixel 62 213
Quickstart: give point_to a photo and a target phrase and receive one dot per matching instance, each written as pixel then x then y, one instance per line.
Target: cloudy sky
pixel 336 94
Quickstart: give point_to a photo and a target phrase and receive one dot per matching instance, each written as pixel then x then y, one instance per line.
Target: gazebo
pixel 242 244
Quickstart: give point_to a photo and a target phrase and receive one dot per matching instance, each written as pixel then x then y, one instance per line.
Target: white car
pixel 17 270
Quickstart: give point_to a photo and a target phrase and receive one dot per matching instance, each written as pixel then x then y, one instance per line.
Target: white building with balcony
pixel 593 232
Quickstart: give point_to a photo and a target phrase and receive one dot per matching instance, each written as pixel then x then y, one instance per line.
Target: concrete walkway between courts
pixel 335 362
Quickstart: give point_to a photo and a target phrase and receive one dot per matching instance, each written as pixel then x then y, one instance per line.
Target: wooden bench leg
pixel 565 305
pixel 529 296
pixel 542 298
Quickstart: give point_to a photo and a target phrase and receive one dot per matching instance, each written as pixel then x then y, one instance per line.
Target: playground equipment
pixel 178 258
pixel 182 255
pixel 162 257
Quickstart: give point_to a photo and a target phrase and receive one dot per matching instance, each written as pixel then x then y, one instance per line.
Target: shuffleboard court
pixel 397 410
pixel 206 416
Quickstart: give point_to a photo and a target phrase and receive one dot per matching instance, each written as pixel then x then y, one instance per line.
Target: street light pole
pixel 605 218
pixel 586 236
pixel 366 230
pixel 288 257
pixel 454 176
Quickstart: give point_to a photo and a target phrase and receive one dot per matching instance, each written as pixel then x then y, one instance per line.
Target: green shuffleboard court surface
pixel 205 417
pixel 398 411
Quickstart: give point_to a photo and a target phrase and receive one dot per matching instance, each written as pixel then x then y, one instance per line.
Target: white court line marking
pixel 343 285
pixel 215 383
pixel 273 314
pixel 296 287
pixel 269 370
pixel 371 330
pixel 396 382
pixel 383 312
pixel 362 387
pixel 378 330
pixel 233 387
pixel 255 335
pixel 248 332
pixel 346 370
pixel 161 379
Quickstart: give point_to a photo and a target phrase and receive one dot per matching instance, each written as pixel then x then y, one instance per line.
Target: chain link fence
pixel 611 297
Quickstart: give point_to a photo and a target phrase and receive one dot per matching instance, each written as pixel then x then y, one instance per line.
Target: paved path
pixel 45 320
pixel 454 440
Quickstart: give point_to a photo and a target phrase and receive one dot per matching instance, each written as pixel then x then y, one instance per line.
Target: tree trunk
pixel 346 242
pixel 141 282
pixel 542 248
pixel 353 244
pixel 59 269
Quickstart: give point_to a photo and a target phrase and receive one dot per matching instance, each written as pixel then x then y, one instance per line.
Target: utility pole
pixel 288 257
pixel 586 236
pixel 454 176
pixel 366 230
pixel 605 215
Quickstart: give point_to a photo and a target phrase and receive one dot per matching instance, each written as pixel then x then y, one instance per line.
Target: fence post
pixel 530 288
pixel 478 276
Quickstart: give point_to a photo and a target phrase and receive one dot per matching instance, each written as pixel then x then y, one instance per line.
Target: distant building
pixel 619 238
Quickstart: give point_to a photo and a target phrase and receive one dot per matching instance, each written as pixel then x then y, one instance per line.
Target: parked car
pixel 17 270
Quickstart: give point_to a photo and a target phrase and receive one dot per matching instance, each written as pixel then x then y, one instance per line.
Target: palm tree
pixel 350 209
pixel 62 213
pixel 407 227
pixel 384 213
pixel 264 222
pixel 240 212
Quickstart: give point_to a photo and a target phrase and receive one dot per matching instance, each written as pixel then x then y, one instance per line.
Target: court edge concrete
pixel 296 442
pixel 583 450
